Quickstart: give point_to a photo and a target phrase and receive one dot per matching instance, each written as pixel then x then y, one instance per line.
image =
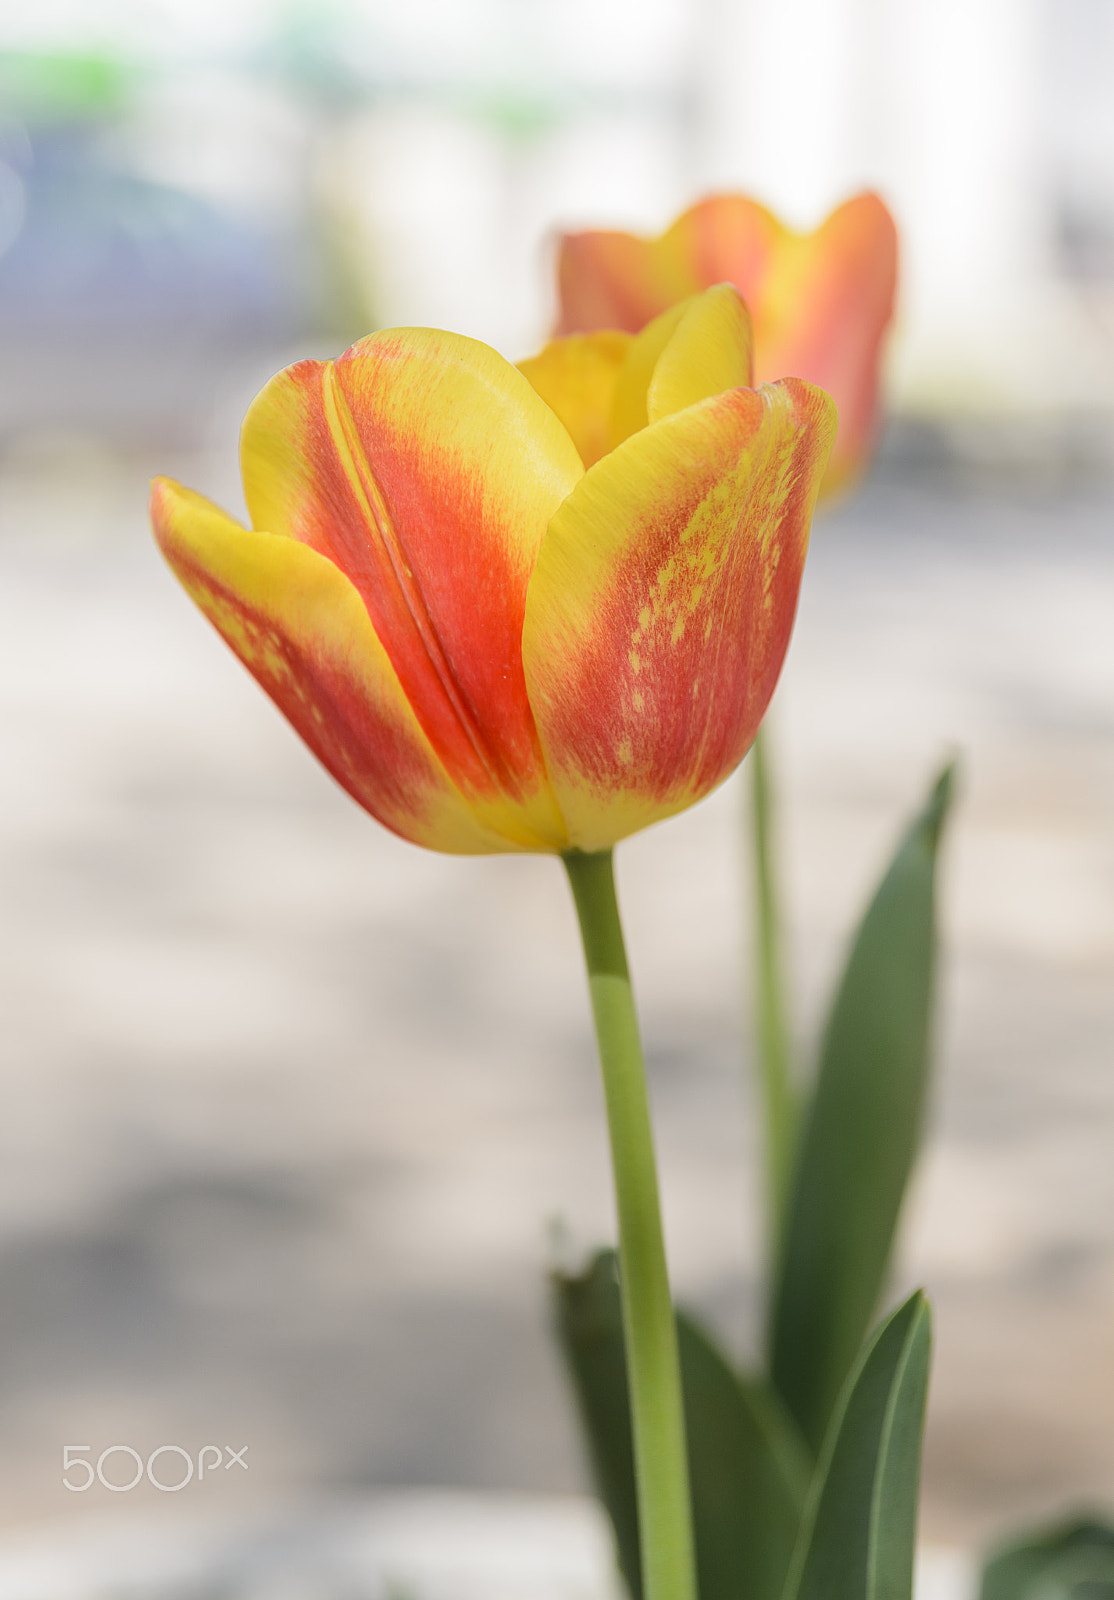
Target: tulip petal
pixel 824 314
pixel 427 469
pixel 727 238
pixel 630 412
pixel 617 280
pixel 712 349
pixel 661 606
pixel 576 377
pixel 303 632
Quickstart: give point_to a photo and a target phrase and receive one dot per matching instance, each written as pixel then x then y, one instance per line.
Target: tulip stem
pixel 650 1333
pixel 779 1108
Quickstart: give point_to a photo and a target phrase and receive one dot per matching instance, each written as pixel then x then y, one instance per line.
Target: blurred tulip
pixel 487 645
pixel 821 301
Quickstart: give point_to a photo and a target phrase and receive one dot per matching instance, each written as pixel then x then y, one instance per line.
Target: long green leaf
pixel 748 1466
pixel 858 1536
pixel 860 1135
pixel 1072 1560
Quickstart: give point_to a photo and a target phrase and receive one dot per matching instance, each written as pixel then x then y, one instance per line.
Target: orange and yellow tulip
pixel 821 301
pixel 510 609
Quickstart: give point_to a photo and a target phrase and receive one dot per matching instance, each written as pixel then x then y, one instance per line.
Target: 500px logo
pixel 168 1468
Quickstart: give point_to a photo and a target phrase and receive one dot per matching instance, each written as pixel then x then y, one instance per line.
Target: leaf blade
pixel 860 1133
pixel 857 1539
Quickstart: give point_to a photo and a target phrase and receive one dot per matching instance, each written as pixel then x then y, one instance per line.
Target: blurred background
pixel 296 1117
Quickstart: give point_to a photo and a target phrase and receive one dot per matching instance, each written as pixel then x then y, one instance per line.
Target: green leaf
pixel 858 1535
pixel 749 1470
pixel 748 1466
pixel 590 1331
pixel 859 1136
pixel 1072 1560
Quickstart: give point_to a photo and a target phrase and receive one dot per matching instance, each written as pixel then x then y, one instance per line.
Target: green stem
pixel 774 1059
pixel 650 1333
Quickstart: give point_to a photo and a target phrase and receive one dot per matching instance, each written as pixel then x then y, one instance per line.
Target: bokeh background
pixel 295 1117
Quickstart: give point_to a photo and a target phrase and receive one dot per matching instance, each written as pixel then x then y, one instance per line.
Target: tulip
pixel 821 301
pixel 517 610
pixel 531 609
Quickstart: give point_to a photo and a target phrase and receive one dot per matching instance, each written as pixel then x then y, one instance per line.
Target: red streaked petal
pixel 661 606
pixel 303 632
pixel 427 469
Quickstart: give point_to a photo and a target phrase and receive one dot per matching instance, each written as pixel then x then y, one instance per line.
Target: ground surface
pixel 290 1107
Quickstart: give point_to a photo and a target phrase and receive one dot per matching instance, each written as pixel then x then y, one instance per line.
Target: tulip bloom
pixel 532 609
pixel 821 301
pixel 510 614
